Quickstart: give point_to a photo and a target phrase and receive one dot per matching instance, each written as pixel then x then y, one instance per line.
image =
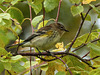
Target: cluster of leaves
pixel 11 19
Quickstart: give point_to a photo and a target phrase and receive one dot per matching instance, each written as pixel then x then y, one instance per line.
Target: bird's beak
pixel 66 30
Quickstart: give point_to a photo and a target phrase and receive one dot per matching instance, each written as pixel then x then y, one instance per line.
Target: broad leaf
pixel 7 65
pixel 41 24
pixel 74 1
pixel 50 4
pixel 36 20
pixel 94 47
pixel 17 67
pixel 60 73
pixel 1 67
pixel 16 14
pixel 76 9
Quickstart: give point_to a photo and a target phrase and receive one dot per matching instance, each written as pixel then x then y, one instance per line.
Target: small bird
pixel 45 38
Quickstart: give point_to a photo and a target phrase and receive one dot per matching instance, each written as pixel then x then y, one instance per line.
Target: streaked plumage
pixel 45 38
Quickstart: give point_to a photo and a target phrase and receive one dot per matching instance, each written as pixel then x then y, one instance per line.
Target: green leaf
pixel 94 47
pixel 2 51
pixel 5 16
pixel 74 1
pixel 61 73
pixel 19 15
pixel 8 0
pixel 7 65
pixel 95 9
pixel 1 1
pixel 37 8
pixel 36 20
pixel 17 57
pixel 38 1
pixel 17 67
pixel 15 1
pixel 27 63
pixel 41 24
pixel 75 10
pixel 1 67
pixel 95 72
pixel 88 18
pixel 50 4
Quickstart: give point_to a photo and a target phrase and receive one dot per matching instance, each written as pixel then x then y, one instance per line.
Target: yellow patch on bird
pixel 50 32
pixel 18 41
pixel 59 46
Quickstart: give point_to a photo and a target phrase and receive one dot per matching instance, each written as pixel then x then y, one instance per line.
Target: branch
pixel 92 58
pixel 55 53
pixel 43 13
pixel 58 10
pixel 85 44
pixel 77 34
pixel 32 33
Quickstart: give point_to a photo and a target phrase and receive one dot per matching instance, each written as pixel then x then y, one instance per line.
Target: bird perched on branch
pixel 45 38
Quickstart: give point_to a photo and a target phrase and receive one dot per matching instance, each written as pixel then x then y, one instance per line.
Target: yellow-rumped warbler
pixel 45 38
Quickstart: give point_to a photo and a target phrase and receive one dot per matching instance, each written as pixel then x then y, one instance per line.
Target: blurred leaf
pixel 36 20
pixel 51 69
pixel 17 57
pixel 44 67
pixel 41 24
pixel 2 8
pixel 94 35
pixel 8 0
pixel 50 4
pixel 74 1
pixel 94 47
pixel 17 67
pixel 19 15
pixel 95 72
pixel 95 9
pixel 1 67
pixel 87 1
pixel 7 65
pixel 12 72
pixel 2 51
pixel 1 1
pixel 15 1
pixel 38 1
pixel 61 73
pixel 75 10
pixel 88 18
pixel 37 8
pixel 27 63
pixel 5 16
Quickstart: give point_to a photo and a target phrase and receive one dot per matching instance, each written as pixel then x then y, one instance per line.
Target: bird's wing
pixel 41 31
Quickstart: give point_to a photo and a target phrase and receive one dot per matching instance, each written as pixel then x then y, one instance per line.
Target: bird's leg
pixel 38 50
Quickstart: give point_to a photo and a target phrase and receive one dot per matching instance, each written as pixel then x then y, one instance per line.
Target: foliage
pixel 11 19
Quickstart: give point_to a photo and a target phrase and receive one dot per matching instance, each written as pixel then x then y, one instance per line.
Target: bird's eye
pixel 61 27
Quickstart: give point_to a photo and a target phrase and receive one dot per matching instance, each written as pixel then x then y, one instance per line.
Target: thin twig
pixel 77 34
pixel 90 31
pixel 43 13
pixel 55 53
pixel 40 72
pixel 8 72
pixel 58 10
pixel 92 58
pixel 67 68
pixel 86 54
pixel 85 44
pixel 32 33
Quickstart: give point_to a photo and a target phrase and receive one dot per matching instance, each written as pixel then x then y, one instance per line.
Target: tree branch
pixel 58 10
pixel 92 58
pixel 78 32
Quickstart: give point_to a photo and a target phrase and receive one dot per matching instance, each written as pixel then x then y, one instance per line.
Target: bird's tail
pixel 15 45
